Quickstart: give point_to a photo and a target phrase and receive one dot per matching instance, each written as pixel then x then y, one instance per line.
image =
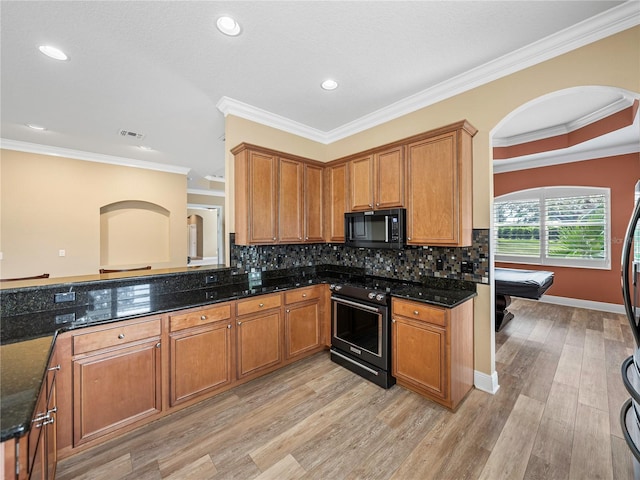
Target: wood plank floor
pixel 555 416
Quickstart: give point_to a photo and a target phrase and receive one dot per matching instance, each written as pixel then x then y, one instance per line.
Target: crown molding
pixel 210 193
pixel 619 105
pixel 89 156
pixel 608 23
pixel 230 106
pixel 526 163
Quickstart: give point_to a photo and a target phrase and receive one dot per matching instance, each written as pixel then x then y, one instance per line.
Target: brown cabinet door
pixel 37 457
pixel 432 200
pixel 389 178
pixel 313 211
pixel 291 201
pixel 361 181
pixel 259 342
pixel 200 361
pixel 302 328
pixel 263 193
pixel 115 389
pixel 419 355
pixel 336 198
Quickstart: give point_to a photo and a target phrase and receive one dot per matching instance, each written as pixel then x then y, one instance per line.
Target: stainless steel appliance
pixel 360 331
pixel 376 229
pixel 630 413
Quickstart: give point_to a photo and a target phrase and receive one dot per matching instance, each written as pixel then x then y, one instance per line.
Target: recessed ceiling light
pixel 35 127
pixel 228 26
pixel 53 52
pixel 329 84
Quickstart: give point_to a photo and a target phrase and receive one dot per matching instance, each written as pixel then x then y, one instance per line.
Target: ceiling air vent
pixel 129 134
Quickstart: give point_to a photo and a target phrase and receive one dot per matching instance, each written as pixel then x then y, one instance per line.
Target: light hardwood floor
pixel 555 416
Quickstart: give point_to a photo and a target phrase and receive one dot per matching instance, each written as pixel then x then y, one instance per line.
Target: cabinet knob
pixel 393 320
pixel 203 317
pixel 409 238
pixel 261 305
pixel 121 336
pixel 304 295
pixel 229 326
pixel 274 238
pixel 239 323
pixel 416 312
pixel 370 205
pixel 288 310
pixel 158 345
pixel 377 204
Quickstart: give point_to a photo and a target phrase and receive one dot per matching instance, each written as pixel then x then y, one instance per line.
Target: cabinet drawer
pixel 200 317
pixel 419 311
pixel 302 294
pixel 263 302
pixel 118 335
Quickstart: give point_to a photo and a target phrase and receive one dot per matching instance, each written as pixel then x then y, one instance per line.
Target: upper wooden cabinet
pixel 336 193
pixel 256 194
pixel 278 197
pixel 439 187
pixel 377 180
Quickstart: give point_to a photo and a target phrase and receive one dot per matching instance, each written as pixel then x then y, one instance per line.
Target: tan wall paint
pixel 613 61
pixel 50 203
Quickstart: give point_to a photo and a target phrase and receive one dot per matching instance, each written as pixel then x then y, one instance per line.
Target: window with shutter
pixel 563 226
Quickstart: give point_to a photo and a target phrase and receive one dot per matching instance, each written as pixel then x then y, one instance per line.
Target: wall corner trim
pixel 486 383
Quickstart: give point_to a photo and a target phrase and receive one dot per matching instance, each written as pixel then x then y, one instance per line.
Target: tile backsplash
pixel 411 263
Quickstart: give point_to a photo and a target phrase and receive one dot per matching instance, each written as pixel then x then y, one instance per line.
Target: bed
pixel 511 282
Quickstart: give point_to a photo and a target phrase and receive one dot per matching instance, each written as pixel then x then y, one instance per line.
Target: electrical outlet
pixel 439 264
pixel 466 267
pixel 210 279
pixel 64 297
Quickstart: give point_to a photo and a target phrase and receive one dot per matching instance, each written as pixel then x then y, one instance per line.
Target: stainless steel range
pixel 360 330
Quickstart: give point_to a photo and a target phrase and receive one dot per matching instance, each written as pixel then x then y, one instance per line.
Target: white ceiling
pixel 161 68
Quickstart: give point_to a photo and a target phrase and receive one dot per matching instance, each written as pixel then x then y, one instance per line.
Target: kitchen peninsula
pixel 117 323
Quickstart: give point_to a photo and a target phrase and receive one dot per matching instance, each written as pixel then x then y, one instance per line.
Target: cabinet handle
pixel 288 311
pixel 409 238
pixel 39 418
pixel 57 367
pixel 377 204
pixel 304 295
pixel 274 238
pixel 53 410
pixel 416 312
pixel 261 305
pixel 121 336
pixel 370 205
pixel 48 422
pixel 239 323
pixel 158 345
pixel 229 326
pixel 393 320
pixel 203 317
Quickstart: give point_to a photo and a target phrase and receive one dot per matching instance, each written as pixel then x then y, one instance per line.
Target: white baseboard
pixel 486 383
pixel 589 304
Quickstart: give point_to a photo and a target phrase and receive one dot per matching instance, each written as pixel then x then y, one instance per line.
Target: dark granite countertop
pixel 27 338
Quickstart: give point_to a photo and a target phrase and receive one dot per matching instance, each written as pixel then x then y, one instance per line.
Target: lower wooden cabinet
pixel 303 322
pixel 117 378
pixel 201 353
pixel 259 334
pixel 432 349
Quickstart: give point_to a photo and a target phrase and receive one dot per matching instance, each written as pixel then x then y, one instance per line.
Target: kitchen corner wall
pixel 411 263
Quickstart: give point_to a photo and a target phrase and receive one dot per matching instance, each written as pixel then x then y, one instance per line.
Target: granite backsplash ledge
pixel 410 264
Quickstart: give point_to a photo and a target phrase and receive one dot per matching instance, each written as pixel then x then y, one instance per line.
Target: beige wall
pixel 50 203
pixel 613 61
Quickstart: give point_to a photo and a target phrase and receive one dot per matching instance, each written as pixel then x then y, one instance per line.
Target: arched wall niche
pixel 134 233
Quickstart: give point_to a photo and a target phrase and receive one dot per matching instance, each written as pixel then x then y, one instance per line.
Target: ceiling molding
pixel 230 106
pixel 526 163
pixel 608 23
pixel 210 193
pixel 89 156
pixel 557 130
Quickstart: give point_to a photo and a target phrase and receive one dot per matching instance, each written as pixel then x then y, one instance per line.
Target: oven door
pixel 360 330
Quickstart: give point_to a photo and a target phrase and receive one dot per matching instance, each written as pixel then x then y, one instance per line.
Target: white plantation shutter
pixel 564 226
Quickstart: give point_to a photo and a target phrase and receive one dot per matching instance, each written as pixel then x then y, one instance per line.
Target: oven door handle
pixel 356 304
pixel 370 370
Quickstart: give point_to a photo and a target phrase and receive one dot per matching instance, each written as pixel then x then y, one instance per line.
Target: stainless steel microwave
pixel 376 228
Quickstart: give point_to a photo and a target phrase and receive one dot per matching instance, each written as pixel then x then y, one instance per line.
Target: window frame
pixel 541 194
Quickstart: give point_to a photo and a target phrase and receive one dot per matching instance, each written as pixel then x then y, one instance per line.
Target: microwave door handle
pixel 386 228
